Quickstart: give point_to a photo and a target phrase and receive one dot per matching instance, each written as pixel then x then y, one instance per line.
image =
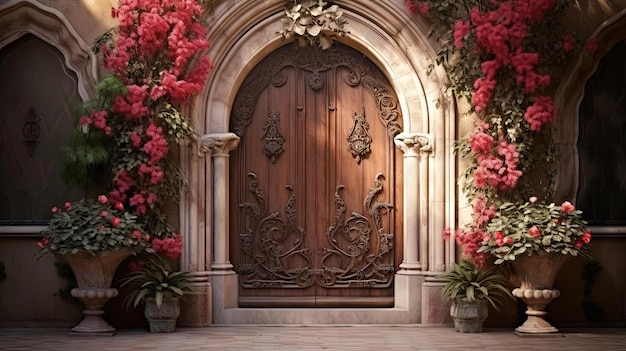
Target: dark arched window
pixel 38 96
pixel 602 142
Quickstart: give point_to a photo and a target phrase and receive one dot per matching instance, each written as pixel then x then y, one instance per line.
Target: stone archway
pixel 243 35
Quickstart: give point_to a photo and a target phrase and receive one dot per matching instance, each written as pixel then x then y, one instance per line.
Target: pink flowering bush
pixel 127 135
pixel 534 227
pixel 93 226
pixel 502 57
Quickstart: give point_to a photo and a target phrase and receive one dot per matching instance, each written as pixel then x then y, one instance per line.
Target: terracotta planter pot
pixel 162 319
pixel 94 274
pixel 537 274
pixel 468 316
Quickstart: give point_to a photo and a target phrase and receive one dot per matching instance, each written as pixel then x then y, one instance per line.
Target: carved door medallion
pixel 316 182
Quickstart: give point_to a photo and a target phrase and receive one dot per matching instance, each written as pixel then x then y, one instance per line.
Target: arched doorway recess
pixel 242 36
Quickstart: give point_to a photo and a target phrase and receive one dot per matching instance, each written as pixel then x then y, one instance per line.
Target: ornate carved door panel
pixel 316 182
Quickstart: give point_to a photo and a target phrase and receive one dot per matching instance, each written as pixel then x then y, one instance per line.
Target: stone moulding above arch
pixel 241 35
pixel 20 17
pixel 569 96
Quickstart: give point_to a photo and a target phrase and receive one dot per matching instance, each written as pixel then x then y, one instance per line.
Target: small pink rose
pixel 102 199
pixel 578 244
pixel 586 238
pixel 533 199
pixel 534 232
pixel 115 221
pixel 68 206
pixel 119 205
pixel 567 207
pixel 104 213
pixel 498 235
pixel 54 209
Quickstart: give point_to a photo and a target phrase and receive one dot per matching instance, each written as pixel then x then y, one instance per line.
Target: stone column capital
pixel 219 144
pixel 414 142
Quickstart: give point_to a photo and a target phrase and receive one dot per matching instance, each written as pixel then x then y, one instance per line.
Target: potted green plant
pixel 93 237
pixel 504 59
pixel 123 145
pixel 159 287
pixel 470 288
pixel 537 238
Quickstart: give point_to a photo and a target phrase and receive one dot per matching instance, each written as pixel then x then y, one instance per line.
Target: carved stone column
pixel 220 146
pixel 415 200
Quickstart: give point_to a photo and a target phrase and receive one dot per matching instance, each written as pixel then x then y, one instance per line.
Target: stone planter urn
pixel 162 319
pixel 94 275
pixel 537 273
pixel 468 316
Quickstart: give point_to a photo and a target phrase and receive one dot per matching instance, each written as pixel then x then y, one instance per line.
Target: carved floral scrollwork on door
pixel 359 254
pixel 359 139
pixel 316 61
pixel 273 248
pixel 273 138
pixel 367 247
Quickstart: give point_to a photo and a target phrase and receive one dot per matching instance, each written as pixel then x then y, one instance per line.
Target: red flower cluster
pixel 499 170
pixel 170 247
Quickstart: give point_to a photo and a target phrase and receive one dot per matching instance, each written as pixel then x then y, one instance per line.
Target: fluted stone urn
pixel 94 275
pixel 537 273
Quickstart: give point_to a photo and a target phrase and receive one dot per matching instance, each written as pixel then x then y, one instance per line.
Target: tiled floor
pixel 305 338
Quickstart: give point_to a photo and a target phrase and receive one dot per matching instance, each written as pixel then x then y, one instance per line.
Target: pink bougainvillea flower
pixel 586 238
pixel 534 232
pixel 102 199
pixel 578 244
pixel 567 207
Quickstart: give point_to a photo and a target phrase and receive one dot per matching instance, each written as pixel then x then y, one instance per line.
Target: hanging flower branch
pixel 309 20
pixel 156 58
pixel 502 56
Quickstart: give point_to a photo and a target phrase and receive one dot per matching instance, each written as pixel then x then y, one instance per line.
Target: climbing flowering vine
pixel 156 58
pixel 502 57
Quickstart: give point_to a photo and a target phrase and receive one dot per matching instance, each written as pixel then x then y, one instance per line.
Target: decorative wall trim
pixel 19 17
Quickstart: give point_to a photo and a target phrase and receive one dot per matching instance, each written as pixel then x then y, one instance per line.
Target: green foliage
pixel 87 159
pixel 92 226
pixel 510 232
pixel 157 280
pixel 467 280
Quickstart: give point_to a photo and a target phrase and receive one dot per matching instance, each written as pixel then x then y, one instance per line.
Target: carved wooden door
pixel 316 182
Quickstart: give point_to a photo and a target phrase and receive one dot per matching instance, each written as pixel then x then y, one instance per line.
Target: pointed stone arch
pixel 18 18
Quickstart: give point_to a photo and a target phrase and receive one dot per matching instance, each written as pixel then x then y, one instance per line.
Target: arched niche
pixel 18 18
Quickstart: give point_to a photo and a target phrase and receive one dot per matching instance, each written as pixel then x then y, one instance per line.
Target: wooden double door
pixel 316 182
